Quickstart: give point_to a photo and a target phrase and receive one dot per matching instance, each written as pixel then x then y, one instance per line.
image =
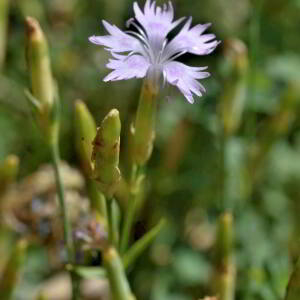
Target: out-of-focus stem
pixel 293 288
pixel 11 272
pixel 232 102
pixel 4 9
pixel 225 272
pixel 223 146
pixel 66 225
pixel 120 288
pixel 254 34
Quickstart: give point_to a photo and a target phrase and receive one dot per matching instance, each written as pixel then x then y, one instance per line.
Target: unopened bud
pixel 39 63
pixel 85 132
pixel 143 130
pixel 8 171
pixel 105 155
pixel 43 98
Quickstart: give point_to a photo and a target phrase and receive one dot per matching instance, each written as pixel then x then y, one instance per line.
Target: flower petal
pixel 184 77
pixel 192 40
pixel 157 21
pixel 117 40
pixel 127 67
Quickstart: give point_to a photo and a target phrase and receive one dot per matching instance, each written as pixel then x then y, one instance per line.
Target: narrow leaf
pixel 90 272
pixel 141 245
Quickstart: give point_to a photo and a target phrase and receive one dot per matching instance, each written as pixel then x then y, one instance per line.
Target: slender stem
pixel 222 178
pixel 120 288
pixel 112 231
pixel 128 222
pixel 254 34
pixel 130 211
pixel 66 225
pixel 4 10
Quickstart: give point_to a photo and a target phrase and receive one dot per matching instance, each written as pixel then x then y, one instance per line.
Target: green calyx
pixel 105 155
pixel 143 130
pixel 85 132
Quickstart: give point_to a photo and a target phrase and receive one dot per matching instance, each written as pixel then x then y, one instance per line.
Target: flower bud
pixel 105 155
pixel 39 63
pixel 234 94
pixel 85 132
pixel 143 130
pixel 43 98
pixel 8 171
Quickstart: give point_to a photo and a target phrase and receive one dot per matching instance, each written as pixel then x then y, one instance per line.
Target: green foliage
pixel 192 172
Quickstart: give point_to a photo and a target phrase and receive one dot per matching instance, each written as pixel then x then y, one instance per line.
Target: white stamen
pixel 132 22
pixel 162 51
pixel 165 59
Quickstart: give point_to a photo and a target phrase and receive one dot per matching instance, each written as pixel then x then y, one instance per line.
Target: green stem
pixel 98 200
pixel 66 225
pixel 4 10
pixel 222 180
pixel 119 285
pixel 254 34
pixel 130 211
pixel 293 288
pixel 112 230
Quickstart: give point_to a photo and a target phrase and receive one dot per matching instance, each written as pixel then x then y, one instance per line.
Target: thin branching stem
pixel 112 231
pixel 130 211
pixel 66 225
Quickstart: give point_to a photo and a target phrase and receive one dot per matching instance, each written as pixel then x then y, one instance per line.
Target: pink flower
pixel 147 51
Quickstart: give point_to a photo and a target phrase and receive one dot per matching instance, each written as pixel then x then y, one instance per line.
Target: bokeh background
pixel 251 168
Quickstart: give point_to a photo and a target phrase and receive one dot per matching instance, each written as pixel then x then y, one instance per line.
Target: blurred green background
pixel 257 164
